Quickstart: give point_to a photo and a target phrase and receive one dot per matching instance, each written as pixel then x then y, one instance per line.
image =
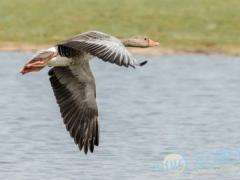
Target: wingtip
pixel 143 63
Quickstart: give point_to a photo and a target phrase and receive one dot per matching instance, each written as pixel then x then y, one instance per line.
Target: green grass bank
pixel 181 24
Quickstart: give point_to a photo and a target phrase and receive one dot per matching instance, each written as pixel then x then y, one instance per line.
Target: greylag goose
pixel 73 83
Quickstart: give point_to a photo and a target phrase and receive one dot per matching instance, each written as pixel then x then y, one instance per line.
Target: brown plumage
pixel 73 83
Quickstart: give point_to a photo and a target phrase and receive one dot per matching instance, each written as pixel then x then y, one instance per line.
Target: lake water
pixel 186 105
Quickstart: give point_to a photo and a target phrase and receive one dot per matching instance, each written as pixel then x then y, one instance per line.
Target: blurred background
pixel 175 118
pixel 186 24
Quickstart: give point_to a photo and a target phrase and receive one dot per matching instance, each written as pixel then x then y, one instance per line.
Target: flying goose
pixel 72 80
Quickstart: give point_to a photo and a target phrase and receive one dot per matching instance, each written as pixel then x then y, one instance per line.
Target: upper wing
pixel 77 105
pixel 105 47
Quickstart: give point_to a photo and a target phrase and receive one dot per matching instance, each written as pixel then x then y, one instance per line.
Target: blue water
pixel 187 105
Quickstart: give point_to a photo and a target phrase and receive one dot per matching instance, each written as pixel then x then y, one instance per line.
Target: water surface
pixel 186 105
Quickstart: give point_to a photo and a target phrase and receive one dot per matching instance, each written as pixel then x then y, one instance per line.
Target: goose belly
pixel 60 61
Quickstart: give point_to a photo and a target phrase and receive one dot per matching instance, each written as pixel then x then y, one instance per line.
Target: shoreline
pixel 153 51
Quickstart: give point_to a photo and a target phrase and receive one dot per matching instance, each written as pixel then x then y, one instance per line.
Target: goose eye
pixel 145 39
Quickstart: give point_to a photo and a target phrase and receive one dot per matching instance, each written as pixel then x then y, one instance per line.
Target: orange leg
pixel 37 63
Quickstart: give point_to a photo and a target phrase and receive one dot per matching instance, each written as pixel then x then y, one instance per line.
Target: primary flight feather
pixel 72 80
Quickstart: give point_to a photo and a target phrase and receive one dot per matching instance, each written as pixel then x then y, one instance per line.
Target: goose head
pixel 139 41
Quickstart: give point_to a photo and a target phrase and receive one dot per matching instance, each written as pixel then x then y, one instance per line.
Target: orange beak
pixel 152 43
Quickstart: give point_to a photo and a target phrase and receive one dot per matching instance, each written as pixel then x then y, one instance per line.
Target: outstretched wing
pixel 78 106
pixel 105 47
